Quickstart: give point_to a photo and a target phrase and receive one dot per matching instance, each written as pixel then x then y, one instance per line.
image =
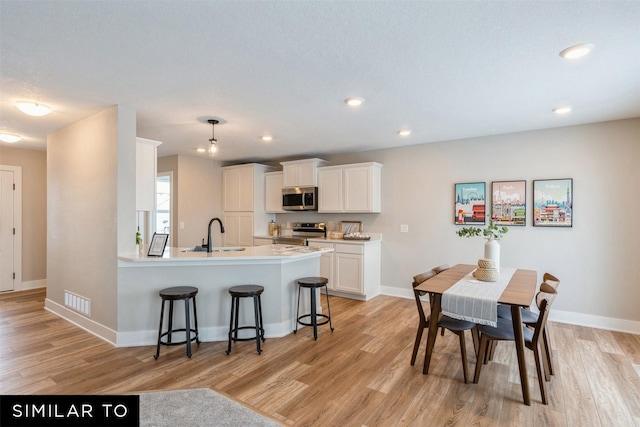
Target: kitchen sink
pixel 215 249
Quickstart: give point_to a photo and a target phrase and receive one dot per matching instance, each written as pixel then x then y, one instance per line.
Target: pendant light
pixel 213 148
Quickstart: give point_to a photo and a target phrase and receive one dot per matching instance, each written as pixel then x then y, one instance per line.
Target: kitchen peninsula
pixel 276 267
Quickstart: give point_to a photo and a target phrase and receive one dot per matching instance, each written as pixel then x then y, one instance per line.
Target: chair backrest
pixel 550 284
pixel 439 269
pixel 417 294
pixel 551 280
pixel 544 300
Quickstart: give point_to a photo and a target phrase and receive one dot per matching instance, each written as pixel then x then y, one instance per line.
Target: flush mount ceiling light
pixel 404 132
pixel 354 102
pixel 266 138
pixel 562 110
pixel 576 51
pixel 33 108
pixel 9 137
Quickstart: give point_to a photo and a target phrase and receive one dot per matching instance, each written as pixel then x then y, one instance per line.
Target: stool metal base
pixel 313 283
pixel 244 291
pixel 192 334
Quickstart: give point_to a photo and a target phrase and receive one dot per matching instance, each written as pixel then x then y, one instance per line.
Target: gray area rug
pixel 195 408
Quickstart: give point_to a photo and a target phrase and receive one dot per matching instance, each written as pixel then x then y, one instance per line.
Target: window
pixel 163 204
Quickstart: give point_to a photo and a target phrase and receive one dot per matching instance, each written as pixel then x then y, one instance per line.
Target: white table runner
pixel 475 301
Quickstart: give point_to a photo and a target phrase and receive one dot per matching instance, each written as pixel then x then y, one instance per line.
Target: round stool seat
pixel 246 290
pixel 178 292
pixel 313 282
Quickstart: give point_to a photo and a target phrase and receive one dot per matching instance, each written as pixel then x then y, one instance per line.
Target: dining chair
pixel 504 332
pixel 454 325
pixel 550 285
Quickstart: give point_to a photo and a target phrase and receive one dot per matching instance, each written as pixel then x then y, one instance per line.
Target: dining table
pixel 518 293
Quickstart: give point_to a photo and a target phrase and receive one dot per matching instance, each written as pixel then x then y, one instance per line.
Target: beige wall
pixel 91 209
pixel 597 259
pixel 34 208
pixel 197 197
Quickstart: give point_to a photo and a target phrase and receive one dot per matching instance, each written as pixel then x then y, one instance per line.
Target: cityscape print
pixel 509 202
pixel 470 203
pixel 553 202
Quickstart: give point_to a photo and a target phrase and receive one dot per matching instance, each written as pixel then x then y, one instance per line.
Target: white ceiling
pixel 446 70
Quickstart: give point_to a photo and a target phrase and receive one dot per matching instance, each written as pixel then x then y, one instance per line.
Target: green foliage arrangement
pixel 490 232
pixel 138 238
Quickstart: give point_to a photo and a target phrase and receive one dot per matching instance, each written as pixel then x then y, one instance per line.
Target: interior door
pixel 7 227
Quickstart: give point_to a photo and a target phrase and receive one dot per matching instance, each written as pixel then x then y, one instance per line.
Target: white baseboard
pixel 209 334
pixel 568 317
pixel 32 284
pixel 91 326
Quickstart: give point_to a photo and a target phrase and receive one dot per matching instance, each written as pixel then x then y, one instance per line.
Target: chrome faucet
pixel 209 244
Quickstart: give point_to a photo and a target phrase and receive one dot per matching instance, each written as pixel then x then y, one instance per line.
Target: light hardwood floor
pixel 357 376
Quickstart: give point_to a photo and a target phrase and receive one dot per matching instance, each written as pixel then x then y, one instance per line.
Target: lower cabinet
pixel 353 269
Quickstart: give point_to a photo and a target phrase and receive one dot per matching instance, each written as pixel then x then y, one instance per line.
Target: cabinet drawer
pixel 321 244
pixel 349 249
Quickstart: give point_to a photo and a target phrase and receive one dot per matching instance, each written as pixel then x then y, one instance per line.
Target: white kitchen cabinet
pixel 243 203
pixel 353 269
pixel 301 173
pixel 354 188
pixel 146 172
pixel 273 192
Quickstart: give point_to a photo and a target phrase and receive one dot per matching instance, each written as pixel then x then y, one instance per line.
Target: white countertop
pixel 375 238
pixel 249 254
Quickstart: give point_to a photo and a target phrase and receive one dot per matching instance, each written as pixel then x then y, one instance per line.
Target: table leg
pixel 434 303
pixel 516 316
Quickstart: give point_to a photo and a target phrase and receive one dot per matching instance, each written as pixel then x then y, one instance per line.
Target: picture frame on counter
pixel 469 203
pixel 509 202
pixel 348 227
pixel 553 202
pixel 158 244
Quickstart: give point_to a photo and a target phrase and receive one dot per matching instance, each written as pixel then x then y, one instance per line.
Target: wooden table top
pixel 519 291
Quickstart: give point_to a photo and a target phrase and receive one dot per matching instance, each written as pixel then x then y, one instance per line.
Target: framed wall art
pixel 553 202
pixel 158 243
pixel 509 202
pixel 470 203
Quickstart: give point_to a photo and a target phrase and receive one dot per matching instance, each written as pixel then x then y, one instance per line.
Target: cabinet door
pixel 230 237
pixel 326 268
pixel 357 189
pixel 348 273
pixel 307 175
pixel 237 189
pixel 146 160
pixel 290 176
pixel 245 229
pixel 273 192
pixel 330 193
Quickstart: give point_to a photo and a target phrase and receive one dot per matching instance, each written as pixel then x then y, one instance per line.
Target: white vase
pixel 492 251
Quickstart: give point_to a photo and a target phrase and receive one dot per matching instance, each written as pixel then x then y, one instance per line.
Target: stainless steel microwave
pixel 300 199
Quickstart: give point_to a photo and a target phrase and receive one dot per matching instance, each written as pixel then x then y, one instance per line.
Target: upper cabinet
pixel 350 188
pixel 146 171
pixel 243 199
pixel 273 192
pixel 301 173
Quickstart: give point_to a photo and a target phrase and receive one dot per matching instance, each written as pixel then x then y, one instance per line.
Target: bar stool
pixel 245 291
pixel 175 293
pixel 312 283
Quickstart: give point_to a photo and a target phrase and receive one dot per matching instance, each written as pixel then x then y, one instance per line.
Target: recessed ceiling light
pixel 9 137
pixel 576 51
pixel 562 110
pixel 33 108
pixel 354 102
pixel 404 132
pixel 201 150
pixel 266 138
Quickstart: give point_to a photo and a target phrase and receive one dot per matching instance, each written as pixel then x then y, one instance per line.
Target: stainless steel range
pixel 302 231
